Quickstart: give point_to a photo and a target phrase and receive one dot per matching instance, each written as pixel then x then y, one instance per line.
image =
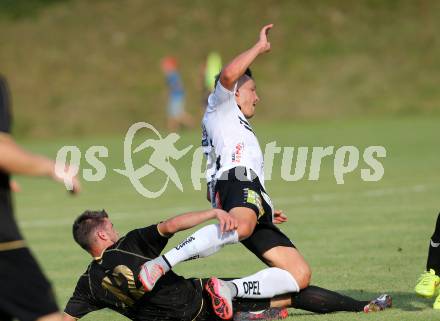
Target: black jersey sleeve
pixel 82 301
pixel 5 115
pixel 147 241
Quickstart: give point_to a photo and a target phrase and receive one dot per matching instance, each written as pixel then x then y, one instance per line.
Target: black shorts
pixel 240 187
pixel 25 293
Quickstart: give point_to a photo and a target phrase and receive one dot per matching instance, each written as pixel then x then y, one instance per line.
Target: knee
pixel 302 275
pixel 290 260
pixel 245 229
pixel 301 272
pixel 246 220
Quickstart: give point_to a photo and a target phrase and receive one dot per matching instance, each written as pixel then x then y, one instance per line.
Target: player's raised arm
pixel 16 160
pixel 188 220
pixel 233 71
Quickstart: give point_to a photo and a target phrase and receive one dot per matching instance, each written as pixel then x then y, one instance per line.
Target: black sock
pixel 434 251
pixel 312 298
pixel 319 300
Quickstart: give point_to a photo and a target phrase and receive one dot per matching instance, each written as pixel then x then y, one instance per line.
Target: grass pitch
pixel 361 238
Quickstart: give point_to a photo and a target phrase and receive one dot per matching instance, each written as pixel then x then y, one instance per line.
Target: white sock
pixel 266 284
pixel 202 243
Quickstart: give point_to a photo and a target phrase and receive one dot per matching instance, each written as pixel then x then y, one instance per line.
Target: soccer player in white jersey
pixel 236 182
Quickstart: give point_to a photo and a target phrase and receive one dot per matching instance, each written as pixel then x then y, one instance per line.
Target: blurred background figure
pixel 211 69
pixel 25 292
pixel 177 116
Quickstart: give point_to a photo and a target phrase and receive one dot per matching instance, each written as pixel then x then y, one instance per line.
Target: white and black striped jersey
pixel 228 139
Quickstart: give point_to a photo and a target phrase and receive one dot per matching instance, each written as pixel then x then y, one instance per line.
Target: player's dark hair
pixel 248 73
pixel 85 224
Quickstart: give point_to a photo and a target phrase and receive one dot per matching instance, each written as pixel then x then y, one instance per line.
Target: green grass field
pixel 360 238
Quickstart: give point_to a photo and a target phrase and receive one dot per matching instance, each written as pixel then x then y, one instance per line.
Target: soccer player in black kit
pixel 111 279
pixel 25 293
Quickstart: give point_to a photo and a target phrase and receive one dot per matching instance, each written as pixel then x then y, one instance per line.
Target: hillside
pixel 81 67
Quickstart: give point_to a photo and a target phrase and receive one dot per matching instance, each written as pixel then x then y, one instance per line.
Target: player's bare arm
pixel 16 160
pixel 188 220
pixel 67 317
pixel 233 71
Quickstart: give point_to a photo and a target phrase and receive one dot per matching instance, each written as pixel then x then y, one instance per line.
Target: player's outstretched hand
pixel 279 217
pixel 67 175
pixel 263 42
pixel 227 221
pixel 76 186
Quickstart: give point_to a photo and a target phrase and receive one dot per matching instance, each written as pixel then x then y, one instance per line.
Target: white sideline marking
pixel 169 211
